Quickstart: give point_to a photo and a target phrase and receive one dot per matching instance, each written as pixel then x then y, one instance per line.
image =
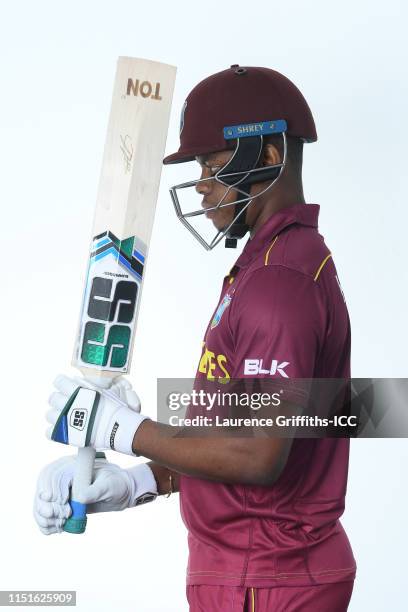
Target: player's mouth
pixel 210 214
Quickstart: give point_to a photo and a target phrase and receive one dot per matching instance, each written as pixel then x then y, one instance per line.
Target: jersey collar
pixel 301 214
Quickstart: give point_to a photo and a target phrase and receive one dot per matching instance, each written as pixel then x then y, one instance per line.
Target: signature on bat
pixel 127 152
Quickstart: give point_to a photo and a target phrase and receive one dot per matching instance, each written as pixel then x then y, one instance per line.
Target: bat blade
pixel 124 213
pixel 123 221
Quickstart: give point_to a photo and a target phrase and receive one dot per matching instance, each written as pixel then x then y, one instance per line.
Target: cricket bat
pixel 125 207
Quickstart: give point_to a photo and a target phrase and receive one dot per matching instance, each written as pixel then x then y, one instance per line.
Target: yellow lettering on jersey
pixel 209 363
pixel 221 359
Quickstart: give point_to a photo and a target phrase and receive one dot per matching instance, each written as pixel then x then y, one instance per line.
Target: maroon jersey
pixel 281 315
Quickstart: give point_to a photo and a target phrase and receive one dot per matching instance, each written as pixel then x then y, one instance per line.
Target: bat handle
pixel 82 478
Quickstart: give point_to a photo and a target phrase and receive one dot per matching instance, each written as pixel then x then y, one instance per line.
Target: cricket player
pixel 262 513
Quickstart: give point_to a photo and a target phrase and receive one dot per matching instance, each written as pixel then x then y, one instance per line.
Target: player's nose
pixel 203 187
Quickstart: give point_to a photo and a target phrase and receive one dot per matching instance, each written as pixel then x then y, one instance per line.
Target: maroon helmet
pixel 236 109
pixel 239 95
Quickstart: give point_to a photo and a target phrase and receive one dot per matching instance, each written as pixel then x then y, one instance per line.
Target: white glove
pixel 113 489
pixel 84 415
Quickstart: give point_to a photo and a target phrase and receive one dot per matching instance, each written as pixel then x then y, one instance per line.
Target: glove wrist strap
pixel 122 430
pixel 143 484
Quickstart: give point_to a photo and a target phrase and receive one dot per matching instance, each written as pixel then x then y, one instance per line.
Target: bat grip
pixel 84 464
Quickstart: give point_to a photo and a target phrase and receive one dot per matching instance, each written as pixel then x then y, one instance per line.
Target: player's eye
pixel 214 169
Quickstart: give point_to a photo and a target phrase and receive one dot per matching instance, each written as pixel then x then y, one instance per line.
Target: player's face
pixel 213 192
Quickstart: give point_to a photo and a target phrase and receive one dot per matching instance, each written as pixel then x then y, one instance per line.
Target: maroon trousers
pixel 320 598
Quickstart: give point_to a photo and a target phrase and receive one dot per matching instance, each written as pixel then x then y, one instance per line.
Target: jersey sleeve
pixel 278 321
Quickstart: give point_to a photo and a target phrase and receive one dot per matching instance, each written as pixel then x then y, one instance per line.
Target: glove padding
pixel 112 489
pixel 85 415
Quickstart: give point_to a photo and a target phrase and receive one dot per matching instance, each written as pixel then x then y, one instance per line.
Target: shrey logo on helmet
pixel 236 109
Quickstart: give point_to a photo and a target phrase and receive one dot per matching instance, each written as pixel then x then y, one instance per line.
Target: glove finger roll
pixel 52 415
pixel 65 385
pixel 57 400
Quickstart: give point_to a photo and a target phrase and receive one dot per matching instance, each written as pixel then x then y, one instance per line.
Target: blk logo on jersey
pixel 78 419
pixel 255 367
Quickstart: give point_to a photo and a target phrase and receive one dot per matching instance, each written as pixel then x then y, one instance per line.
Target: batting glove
pixel 113 489
pixel 84 415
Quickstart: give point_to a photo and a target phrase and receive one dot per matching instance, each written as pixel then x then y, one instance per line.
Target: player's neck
pixel 276 201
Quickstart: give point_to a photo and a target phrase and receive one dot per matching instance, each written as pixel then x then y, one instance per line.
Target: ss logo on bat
pixel 107 343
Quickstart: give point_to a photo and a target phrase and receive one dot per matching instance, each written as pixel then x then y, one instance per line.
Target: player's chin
pixel 219 225
pixel 220 222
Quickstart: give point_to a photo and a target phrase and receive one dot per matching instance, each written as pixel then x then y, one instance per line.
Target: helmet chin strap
pixel 246 158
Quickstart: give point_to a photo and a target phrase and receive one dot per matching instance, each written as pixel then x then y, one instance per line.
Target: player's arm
pixel 278 315
pixel 243 460
pixel 167 480
pixel 84 416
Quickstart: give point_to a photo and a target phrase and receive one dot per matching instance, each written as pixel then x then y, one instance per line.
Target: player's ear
pixel 271 155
